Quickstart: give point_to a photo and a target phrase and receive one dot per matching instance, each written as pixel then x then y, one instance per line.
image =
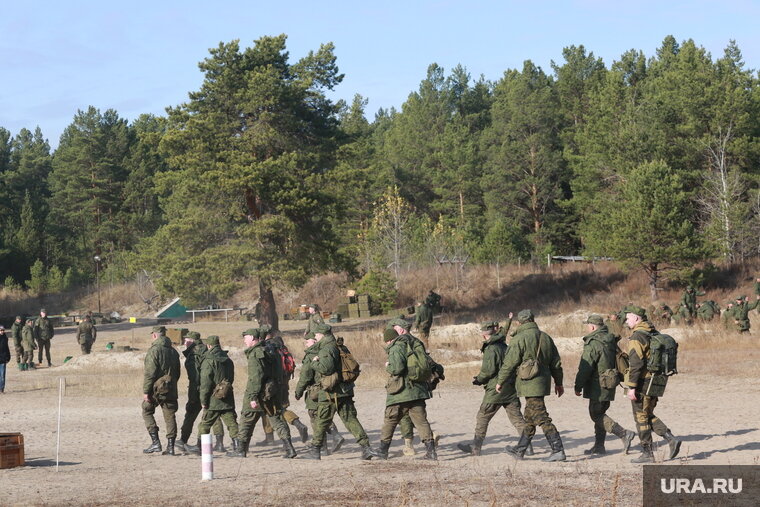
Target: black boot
pixel 338 439
pixel 169 447
pixel 598 447
pixel 558 452
pixel 518 451
pixel 646 456
pixel 303 431
pixel 624 435
pixel 219 443
pixel 268 440
pixel 368 453
pixel 187 448
pixel 529 450
pixel 673 443
pixel 382 451
pixel 241 451
pixel 235 444
pixel 473 448
pixel 312 452
pixel 290 451
pixel 155 445
pixel 430 448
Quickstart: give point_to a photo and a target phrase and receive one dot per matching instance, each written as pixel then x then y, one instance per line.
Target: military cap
pixel 211 340
pixel 525 316
pixel 42 310
pixel 192 335
pixel 312 305
pixel 19 317
pixel 265 329
pixel 389 335
pixel 252 331
pixel 738 298
pixel 594 319
pixel 636 310
pixel 398 321
pixel 159 329
pixel 689 288
pixel 322 328
pixel 488 325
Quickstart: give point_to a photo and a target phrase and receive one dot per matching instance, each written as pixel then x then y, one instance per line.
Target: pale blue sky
pixel 140 57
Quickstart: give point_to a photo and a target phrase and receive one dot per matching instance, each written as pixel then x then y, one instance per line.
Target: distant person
pixel 43 333
pixel 533 361
pixel 423 320
pixel 739 314
pixel 16 328
pixel 86 334
pixel 689 301
pixel 639 376
pixel 161 374
pixel 707 310
pixel 315 319
pixel 597 380
pixel 5 357
pixel 28 344
pixel 216 393
pixel 433 300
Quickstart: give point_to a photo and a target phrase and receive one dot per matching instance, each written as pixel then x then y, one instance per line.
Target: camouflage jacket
pixel 494 349
pixel 161 359
pixel 638 354
pixel 306 377
pixel 216 367
pixel 43 329
pixel 524 345
pixel 424 317
pixel 599 351
pixel 397 352
pixel 86 332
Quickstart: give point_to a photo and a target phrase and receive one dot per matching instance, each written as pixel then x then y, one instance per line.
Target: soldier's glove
pixel 476 382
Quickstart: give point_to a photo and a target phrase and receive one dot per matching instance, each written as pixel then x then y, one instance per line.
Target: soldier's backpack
pixel 162 386
pixel 663 355
pixel 419 366
pixel 349 366
pixel 222 389
pixel 287 360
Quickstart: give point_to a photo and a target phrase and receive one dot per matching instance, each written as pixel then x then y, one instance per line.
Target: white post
pixel 58 433
pixel 207 458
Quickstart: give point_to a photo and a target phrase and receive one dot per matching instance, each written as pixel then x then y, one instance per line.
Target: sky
pixel 140 57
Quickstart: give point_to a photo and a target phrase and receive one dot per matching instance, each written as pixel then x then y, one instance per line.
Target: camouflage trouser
pixel 19 354
pixel 287 415
pixel 406 427
pixel 346 410
pixel 212 417
pixel 28 357
pixel 536 415
pixel 248 420
pixel 192 409
pixel 417 414
pixel 424 335
pixel 646 421
pixel 169 408
pixel 597 410
pixel 488 410
pixel 86 346
pixel 43 344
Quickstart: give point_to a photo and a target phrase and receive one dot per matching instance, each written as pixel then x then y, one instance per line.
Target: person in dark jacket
pixel 5 357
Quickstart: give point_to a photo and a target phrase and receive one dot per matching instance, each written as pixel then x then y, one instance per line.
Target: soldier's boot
pixel 673 443
pixel 268 440
pixel 241 451
pixel 290 451
pixel 646 456
pixel 624 435
pixel 519 450
pixel 409 447
pixel 368 453
pixel 155 445
pixel 303 431
pixel 382 451
pixel 169 447
pixel 31 366
pixel 598 447
pixel 219 443
pixel 338 439
pixel 185 447
pixel 558 451
pixel 430 448
pixel 529 450
pixel 312 452
pixel 22 367
pixel 196 449
pixel 473 448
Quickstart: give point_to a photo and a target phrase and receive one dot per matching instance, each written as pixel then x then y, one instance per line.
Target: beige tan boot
pixel 408 447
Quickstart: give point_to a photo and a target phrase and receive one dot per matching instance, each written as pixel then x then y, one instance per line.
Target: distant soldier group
pixel 29 335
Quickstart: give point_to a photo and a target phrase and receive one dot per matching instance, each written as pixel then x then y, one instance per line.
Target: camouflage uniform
pixel 315 319
pixel 689 301
pixel 16 328
pixel 529 343
pixel 217 367
pixel 86 335
pixel 739 314
pixel 194 355
pixel 43 333
pixel 423 320
pixel 28 344
pixel 160 360
pixel 707 310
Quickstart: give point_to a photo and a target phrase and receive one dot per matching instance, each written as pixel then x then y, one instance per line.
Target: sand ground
pixel 102 437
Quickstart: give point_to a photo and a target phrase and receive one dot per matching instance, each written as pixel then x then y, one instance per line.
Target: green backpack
pixel 419 366
pixel 663 355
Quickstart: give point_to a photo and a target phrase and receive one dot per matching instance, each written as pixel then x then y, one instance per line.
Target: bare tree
pixel 390 224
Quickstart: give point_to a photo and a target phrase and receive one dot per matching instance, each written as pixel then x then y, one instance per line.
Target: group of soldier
pixel 524 368
pixel 29 335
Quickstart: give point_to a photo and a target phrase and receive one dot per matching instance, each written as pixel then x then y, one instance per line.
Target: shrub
pixel 381 288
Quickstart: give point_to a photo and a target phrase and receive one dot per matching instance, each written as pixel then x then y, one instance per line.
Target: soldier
pixel 16 328
pixel 422 321
pixel 28 344
pixel 195 352
pixel 643 405
pixel 494 349
pixel 597 363
pixel 43 333
pixel 662 314
pixel 86 334
pixel 726 318
pixel 275 347
pixel 689 301
pixel 5 357
pixel 681 315
pixel 261 396
pixel 306 381
pixel 433 300
pixel 707 310
pixel 216 393
pixel 533 360
pixel 315 319
pixel 337 399
pixel 160 389
pixel 410 398
pixel 739 314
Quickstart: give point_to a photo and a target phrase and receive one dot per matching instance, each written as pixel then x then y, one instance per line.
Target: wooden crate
pixel 363 298
pixel 11 450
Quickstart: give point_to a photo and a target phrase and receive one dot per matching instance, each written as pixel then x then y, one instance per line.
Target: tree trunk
pixel 653 273
pixel 268 308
